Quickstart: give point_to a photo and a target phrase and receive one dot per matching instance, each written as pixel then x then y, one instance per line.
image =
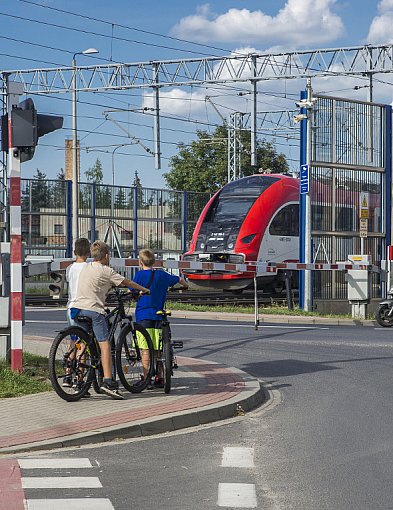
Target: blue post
pixel 93 212
pixel 388 186
pixel 302 202
pixel 388 173
pixel 135 214
pixel 69 219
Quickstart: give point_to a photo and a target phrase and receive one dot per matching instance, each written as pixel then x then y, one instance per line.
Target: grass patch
pixel 34 379
pixel 269 310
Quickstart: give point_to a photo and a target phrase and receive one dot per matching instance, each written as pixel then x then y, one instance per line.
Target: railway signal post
pixel 21 129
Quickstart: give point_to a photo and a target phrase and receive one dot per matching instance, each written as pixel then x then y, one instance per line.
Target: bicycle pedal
pixel 177 344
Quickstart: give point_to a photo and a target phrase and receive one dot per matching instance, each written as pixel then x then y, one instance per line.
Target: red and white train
pixel 255 218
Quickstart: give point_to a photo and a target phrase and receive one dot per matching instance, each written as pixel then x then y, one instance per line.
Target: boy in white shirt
pixel 81 252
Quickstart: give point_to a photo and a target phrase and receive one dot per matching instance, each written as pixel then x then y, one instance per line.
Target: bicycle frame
pixel 119 315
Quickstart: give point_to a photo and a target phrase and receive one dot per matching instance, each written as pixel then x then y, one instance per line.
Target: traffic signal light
pixel 26 127
pixel 57 287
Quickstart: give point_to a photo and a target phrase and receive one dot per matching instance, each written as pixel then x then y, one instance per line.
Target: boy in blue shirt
pixel 147 306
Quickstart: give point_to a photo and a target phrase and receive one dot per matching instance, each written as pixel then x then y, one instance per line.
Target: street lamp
pixel 75 176
pixel 113 160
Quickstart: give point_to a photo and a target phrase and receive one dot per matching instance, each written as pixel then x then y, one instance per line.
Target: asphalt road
pixel 326 443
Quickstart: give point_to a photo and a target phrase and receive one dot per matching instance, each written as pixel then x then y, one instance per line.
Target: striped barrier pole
pixel 14 90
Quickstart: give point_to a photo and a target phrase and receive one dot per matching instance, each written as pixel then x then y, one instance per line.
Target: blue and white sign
pixel 304 179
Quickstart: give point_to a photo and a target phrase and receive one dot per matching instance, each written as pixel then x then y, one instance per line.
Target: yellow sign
pixel 364 206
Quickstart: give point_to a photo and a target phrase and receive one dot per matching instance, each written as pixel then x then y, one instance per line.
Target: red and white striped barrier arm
pixel 250 267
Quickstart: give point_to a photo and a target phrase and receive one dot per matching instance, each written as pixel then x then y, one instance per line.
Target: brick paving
pixel 201 392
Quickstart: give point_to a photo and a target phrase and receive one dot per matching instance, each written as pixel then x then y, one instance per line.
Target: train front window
pixel 253 185
pixel 231 209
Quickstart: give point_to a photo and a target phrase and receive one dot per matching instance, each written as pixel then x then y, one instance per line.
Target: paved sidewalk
pixel 202 392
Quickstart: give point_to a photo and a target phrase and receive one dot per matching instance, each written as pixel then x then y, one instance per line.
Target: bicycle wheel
pixel 134 357
pixel 72 360
pixel 167 359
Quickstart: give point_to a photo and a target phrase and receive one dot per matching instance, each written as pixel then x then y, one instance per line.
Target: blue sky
pixel 133 31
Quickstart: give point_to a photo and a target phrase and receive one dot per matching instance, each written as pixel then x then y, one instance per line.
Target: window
pixel 286 221
pixel 59 229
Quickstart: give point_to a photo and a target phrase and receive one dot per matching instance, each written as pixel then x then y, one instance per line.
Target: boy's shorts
pixel 154 330
pixel 70 320
pixel 100 326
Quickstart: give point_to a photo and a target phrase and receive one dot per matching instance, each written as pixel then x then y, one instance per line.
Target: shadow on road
pixel 289 367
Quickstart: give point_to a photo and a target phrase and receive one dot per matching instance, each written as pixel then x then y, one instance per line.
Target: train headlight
pixel 230 246
pixel 202 246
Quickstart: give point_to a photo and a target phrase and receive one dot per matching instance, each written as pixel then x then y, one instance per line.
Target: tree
pixel 203 164
pixel 138 185
pixel 40 191
pixel 120 199
pixel 59 190
pixel 95 173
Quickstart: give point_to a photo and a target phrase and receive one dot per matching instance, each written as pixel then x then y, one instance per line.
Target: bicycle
pixel 166 360
pixel 75 354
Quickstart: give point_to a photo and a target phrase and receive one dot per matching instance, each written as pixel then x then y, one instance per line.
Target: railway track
pixel 195 298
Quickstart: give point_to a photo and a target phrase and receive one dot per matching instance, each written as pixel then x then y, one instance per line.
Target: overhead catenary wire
pixel 209 46
pixel 106 36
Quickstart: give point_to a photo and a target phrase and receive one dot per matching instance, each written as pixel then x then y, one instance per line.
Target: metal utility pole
pixel 75 166
pixel 157 139
pixel 254 159
pixel 308 240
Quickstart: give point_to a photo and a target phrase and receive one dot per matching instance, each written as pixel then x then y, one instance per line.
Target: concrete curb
pixel 276 319
pixel 251 397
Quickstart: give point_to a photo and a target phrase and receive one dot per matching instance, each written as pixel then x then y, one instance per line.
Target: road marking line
pixel 54 463
pixel 45 309
pixel 47 322
pixel 237 495
pixel 61 482
pixel 66 504
pixel 242 325
pixel 238 457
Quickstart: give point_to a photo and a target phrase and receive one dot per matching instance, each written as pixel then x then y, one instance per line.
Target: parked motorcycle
pixel 384 313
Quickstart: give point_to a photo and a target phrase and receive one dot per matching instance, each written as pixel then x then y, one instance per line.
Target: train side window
pixel 286 221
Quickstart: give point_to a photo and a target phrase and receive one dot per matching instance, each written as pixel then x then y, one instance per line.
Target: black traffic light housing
pixel 56 289
pixel 26 127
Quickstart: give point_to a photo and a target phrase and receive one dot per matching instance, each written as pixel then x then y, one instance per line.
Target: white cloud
pixel 298 23
pixel 385 5
pixel 381 26
pixel 178 101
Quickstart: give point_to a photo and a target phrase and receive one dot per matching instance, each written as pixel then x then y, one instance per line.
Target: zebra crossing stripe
pixel 61 482
pixel 237 495
pixel 67 504
pixel 238 457
pixel 54 463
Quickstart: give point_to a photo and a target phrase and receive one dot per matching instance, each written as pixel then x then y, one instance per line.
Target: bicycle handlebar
pixel 176 289
pixel 121 297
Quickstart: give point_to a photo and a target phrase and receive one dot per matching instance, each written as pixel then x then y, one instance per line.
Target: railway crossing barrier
pixel 358 269
pixel 358 288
